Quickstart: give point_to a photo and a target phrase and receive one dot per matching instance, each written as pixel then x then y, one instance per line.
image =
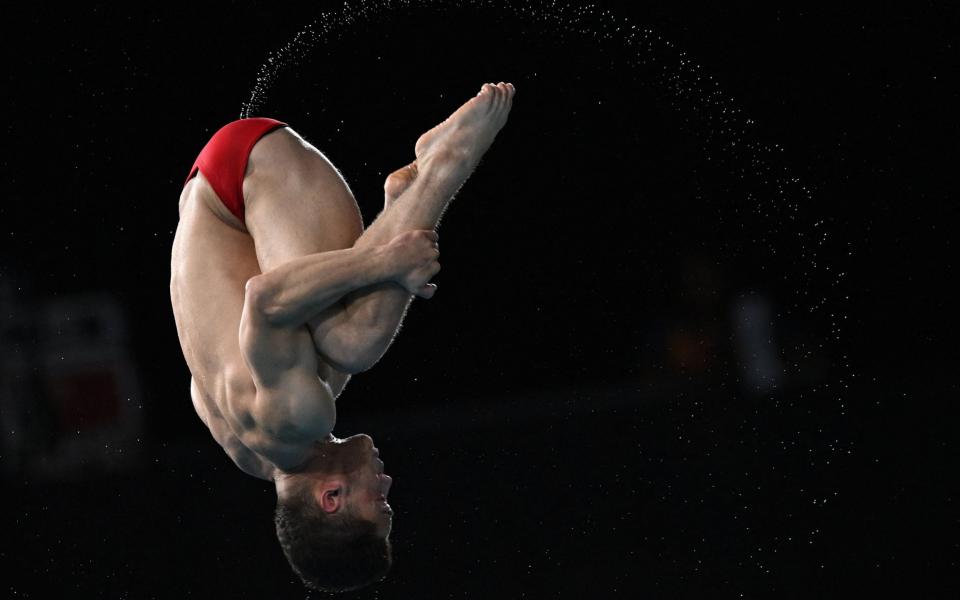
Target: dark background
pixel 573 414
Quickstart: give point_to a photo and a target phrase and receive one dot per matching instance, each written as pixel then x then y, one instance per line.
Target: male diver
pixel 279 296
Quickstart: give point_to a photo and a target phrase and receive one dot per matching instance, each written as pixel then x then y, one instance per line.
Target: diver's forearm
pixel 301 288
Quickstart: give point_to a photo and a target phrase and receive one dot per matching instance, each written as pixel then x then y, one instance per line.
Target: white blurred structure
pixel 757 353
pixel 70 391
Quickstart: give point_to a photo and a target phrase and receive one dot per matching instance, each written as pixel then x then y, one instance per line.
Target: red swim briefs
pixel 224 159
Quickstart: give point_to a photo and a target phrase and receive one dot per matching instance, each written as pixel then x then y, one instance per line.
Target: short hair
pixel 330 552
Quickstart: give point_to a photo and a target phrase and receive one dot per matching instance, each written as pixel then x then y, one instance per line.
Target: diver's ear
pixel 330 495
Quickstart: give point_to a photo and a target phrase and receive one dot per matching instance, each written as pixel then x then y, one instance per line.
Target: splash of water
pixel 777 199
pixel 725 132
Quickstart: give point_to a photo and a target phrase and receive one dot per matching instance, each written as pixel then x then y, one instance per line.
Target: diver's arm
pixel 299 289
pixel 292 406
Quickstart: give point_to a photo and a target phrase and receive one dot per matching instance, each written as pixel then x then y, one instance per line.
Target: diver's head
pixel 333 520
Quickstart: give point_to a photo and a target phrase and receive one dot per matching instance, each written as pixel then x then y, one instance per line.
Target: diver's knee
pixel 350 367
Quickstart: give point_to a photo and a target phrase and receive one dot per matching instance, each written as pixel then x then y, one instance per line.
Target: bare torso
pixel 212 258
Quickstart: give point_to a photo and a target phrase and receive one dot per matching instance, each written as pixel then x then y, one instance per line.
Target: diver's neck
pixel 307 461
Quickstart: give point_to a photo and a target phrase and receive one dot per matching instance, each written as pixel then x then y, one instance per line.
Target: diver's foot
pixel 463 138
pixel 397 183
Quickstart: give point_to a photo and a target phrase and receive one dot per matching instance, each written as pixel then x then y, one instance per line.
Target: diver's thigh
pixel 296 202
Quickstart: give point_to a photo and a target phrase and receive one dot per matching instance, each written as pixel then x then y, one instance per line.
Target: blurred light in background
pixel 70 399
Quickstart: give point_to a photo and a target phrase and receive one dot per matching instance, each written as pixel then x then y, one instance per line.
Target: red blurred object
pixel 85 400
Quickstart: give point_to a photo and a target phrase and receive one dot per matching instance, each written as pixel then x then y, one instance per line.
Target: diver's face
pixel 365 486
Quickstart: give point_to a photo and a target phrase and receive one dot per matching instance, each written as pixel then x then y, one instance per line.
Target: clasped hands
pixel 412 259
